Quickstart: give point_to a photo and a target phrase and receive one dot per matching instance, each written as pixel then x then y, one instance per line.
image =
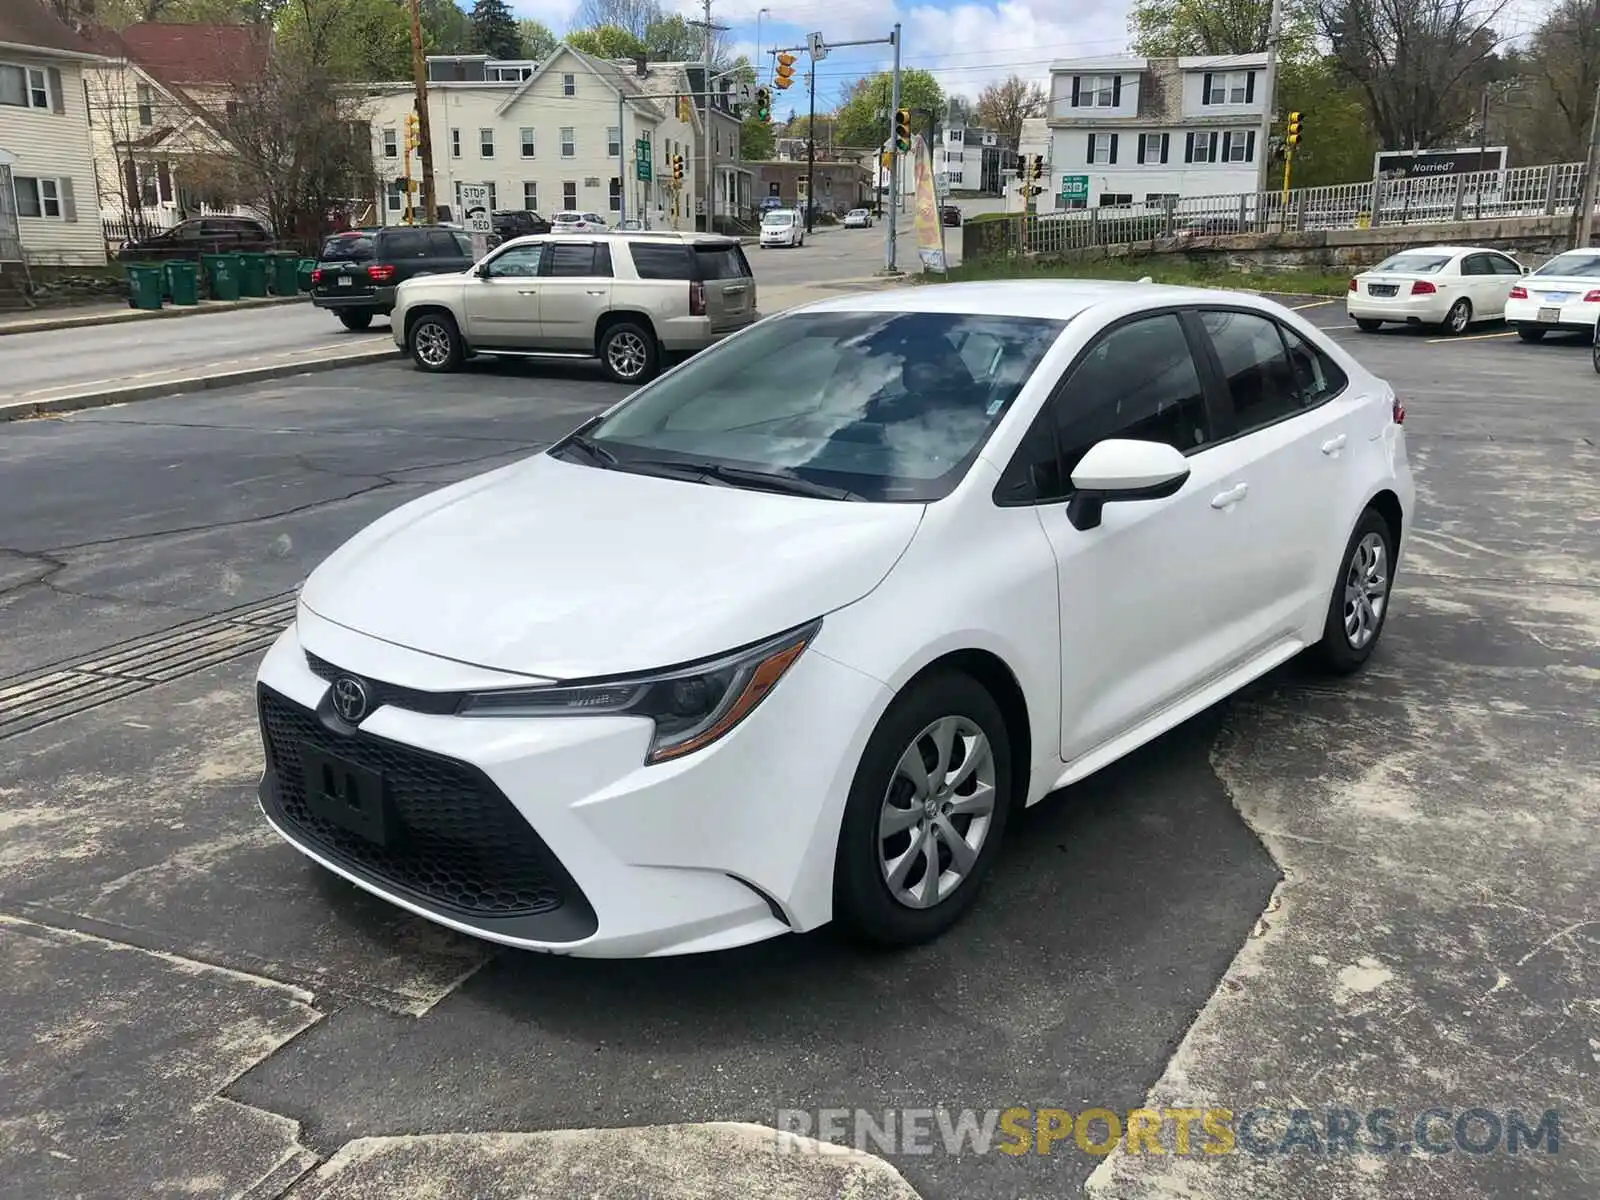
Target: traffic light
pixel 677 168
pixel 1037 171
pixel 413 131
pixel 902 129
pixel 784 76
pixel 1294 129
pixel 763 104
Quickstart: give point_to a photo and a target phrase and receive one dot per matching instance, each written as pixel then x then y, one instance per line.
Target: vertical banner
pixel 929 228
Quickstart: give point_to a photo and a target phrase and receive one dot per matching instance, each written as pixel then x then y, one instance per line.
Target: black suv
pixel 518 222
pixel 358 271
pixel 201 235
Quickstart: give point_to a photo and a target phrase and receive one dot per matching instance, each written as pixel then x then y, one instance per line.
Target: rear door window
pixel 441 244
pixel 1261 382
pixel 661 261
pixel 721 260
pixel 405 243
pixel 577 259
pixel 348 249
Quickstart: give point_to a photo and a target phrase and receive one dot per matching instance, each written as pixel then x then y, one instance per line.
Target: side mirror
pixel 481 270
pixel 1121 469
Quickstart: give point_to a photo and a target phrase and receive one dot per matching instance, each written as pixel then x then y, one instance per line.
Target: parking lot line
pixel 1476 337
pixel 1313 304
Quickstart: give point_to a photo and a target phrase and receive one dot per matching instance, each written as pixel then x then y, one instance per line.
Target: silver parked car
pixel 627 299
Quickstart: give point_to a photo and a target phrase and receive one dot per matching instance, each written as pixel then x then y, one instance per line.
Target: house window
pixel 1236 147
pixel 1100 148
pixel 1230 87
pixel 393 197
pixel 569 196
pixel 24 87
pixel 1152 148
pixel 530 195
pixel 1096 91
pixel 1113 199
pixel 529 144
pixel 954 177
pixel 957 135
pixel 1159 198
pixel 231 108
pixel 616 194
pixel 1201 148
pixel 37 197
pixel 146 102
pixel 486 143
pixel 613 141
pixel 569 85
pixel 391 144
pixel 569 144
pixel 455 143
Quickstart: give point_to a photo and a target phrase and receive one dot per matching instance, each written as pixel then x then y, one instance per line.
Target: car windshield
pixel 1413 263
pixel 348 248
pixel 567 218
pixel 1583 263
pixel 883 406
pixel 778 218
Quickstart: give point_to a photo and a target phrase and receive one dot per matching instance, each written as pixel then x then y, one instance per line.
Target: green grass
pixel 1160 268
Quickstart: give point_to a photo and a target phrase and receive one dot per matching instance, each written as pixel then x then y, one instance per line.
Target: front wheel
pixel 925 815
pixel 355 318
pixel 435 343
pixel 1360 601
pixel 629 353
pixel 1531 335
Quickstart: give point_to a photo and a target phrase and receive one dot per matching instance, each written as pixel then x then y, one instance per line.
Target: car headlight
pixel 692 706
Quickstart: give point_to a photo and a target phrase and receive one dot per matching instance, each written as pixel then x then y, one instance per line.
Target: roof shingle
pixel 189 55
pixel 30 23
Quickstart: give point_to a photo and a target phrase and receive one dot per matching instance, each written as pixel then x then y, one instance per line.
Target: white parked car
pixel 732 660
pixel 1452 286
pixel 1562 295
pixel 576 222
pixel 858 218
pixel 782 227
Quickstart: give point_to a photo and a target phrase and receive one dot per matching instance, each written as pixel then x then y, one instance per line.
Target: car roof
pixel 1055 299
pixel 633 235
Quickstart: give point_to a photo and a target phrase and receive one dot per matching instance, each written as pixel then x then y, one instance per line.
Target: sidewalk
pixel 79 316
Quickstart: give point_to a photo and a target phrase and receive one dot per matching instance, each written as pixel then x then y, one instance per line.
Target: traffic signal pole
pixel 419 76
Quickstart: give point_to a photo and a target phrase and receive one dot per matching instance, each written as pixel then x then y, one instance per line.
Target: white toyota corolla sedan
pixel 793 632
pixel 1561 296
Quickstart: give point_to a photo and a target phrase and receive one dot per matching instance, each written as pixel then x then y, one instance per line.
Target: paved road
pixel 1434 814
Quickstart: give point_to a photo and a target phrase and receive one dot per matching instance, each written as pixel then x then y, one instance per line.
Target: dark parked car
pixel 357 272
pixel 201 235
pixel 950 214
pixel 517 222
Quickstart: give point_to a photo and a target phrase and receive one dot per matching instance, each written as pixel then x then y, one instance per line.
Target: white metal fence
pixel 1553 190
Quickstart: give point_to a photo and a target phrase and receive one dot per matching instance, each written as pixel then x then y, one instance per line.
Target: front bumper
pixel 1572 316
pixel 549 833
pixel 1406 309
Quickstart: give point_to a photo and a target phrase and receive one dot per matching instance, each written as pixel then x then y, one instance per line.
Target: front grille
pixel 392 694
pixel 453 841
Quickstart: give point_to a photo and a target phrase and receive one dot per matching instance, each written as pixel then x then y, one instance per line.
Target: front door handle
pixel 527 291
pixel 1334 445
pixel 1230 497
pixel 596 291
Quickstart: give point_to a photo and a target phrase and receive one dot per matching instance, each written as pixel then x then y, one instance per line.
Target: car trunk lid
pixel 346 266
pixel 724 286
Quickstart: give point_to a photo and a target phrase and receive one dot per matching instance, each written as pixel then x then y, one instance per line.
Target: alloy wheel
pixel 1459 317
pixel 431 343
pixel 936 812
pixel 1366 590
pixel 627 354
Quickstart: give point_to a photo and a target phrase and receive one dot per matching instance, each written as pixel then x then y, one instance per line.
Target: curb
pixel 25 409
pixel 205 308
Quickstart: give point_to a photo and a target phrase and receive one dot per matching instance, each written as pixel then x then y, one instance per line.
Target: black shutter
pixel 1113 148
pixel 1250 88
pixel 1227 145
pixel 1090 159
pixel 1205 93
pixel 1213 157
pixel 1075 80
pixel 1250 146
pixel 58 102
pixel 1188 148
pixel 1141 148
pixel 1116 91
pixel 1166 146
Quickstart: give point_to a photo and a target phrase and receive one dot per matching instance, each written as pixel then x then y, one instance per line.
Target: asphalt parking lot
pixel 194 1009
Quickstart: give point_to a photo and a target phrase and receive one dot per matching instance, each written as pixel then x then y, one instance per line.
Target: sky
pixel 965 45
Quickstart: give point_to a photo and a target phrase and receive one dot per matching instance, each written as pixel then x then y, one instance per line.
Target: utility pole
pixel 811 149
pixel 707 127
pixel 419 76
pixel 890 247
pixel 1274 36
pixel 1590 189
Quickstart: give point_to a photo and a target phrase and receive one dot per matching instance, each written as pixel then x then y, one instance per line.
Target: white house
pixel 969 158
pixel 1140 130
pixel 49 209
pixel 561 135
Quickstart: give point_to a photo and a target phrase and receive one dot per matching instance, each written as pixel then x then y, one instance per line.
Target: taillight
pixel 1593 297
pixel 1353 286
pixel 1399 412
pixel 1519 292
pixel 697 299
pixel 316 276
pixel 380 274
pixel 1423 288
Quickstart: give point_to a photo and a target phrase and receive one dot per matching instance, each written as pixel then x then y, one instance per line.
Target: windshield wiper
pixel 783 482
pixel 594 450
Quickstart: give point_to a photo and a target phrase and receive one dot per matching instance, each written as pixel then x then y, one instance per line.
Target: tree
pixel 1338 143
pixel 864 117
pixel 672 39
pixel 606 41
pixel 495 29
pixel 958 110
pixel 634 16
pixel 538 43
pixel 349 39
pixel 445 28
pixel 757 142
pixel 1172 28
pixel 1419 64
pixel 1002 107
pixel 1560 72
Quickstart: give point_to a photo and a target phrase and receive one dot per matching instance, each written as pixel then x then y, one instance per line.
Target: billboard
pixel 929 228
pixel 1409 164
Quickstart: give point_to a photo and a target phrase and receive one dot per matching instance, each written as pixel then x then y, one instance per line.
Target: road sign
pixel 1074 187
pixel 819 50
pixel 641 154
pixel 475 207
pixel 744 93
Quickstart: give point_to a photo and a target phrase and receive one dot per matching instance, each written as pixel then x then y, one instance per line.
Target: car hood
pixel 557 570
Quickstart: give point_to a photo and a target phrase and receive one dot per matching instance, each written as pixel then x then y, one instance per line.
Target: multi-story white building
pixel 561 135
pixel 969 158
pixel 1140 130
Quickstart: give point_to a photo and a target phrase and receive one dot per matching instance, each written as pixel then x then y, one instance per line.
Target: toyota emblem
pixel 350 698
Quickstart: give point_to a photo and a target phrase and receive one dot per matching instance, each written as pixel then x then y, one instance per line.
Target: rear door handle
pixel 1334 445
pixel 596 291
pixel 1230 497
pixel 527 291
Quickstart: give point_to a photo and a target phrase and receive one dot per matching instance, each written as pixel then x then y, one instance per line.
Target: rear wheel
pixel 435 342
pixel 356 318
pixel 1531 335
pixel 1368 325
pixel 1596 351
pixel 1459 317
pixel 1360 601
pixel 629 353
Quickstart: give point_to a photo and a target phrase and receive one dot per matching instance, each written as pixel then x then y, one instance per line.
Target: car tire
pixel 1595 352
pixel 1531 335
pixel 1368 325
pixel 1354 623
pixel 629 353
pixel 435 343
pixel 869 902
pixel 1459 319
pixel 356 318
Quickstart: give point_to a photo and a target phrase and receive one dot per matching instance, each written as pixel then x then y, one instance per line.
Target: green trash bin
pixel 222 276
pixel 285 271
pixel 307 265
pixel 183 282
pixel 144 285
pixel 252 274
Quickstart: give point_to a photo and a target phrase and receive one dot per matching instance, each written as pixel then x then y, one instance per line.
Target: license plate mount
pixel 344 281
pixel 346 794
pixel 1549 316
pixel 1383 289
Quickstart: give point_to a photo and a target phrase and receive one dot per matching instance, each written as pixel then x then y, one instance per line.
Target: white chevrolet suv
pixel 627 299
